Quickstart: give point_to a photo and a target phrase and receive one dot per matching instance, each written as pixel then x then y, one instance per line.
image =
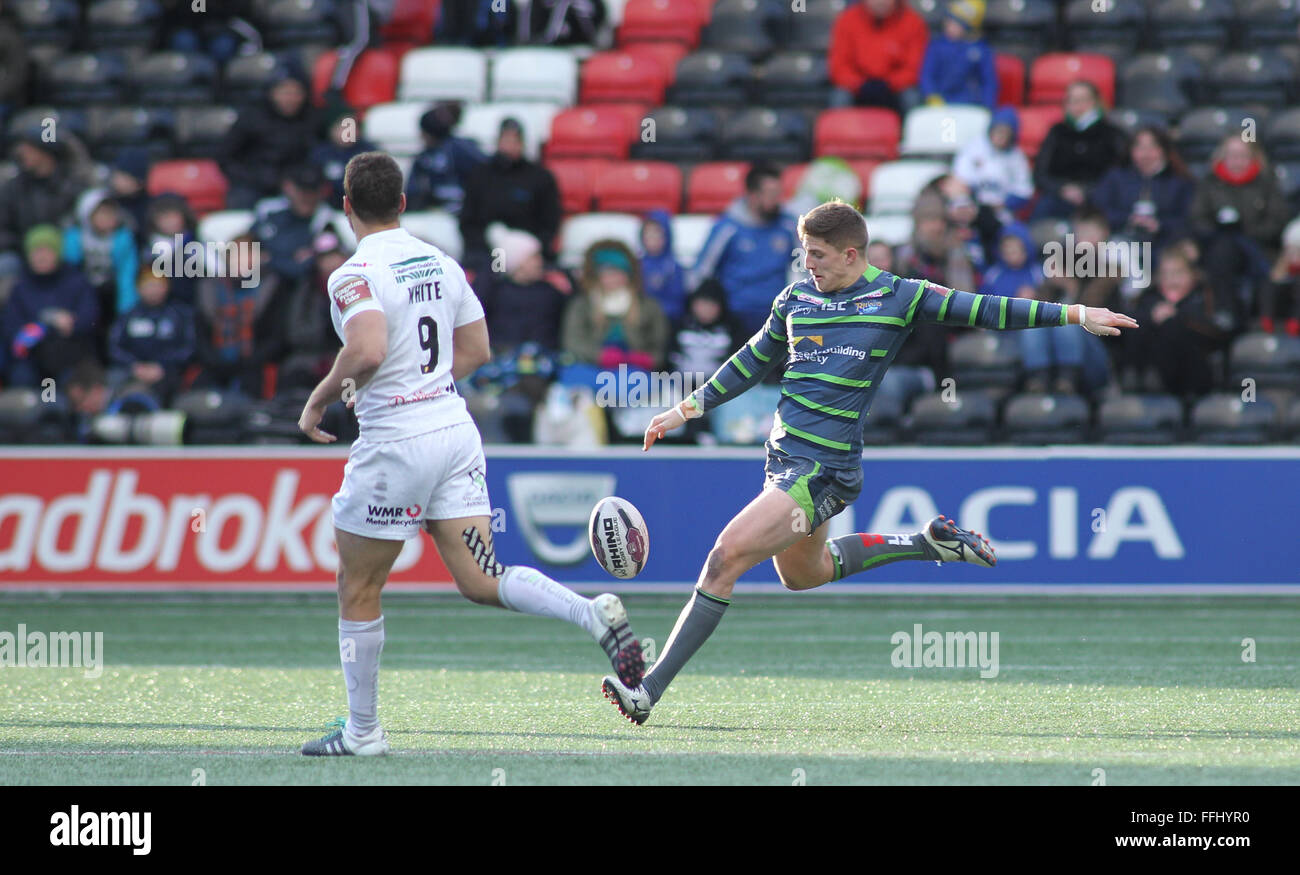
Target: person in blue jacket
pixel 661 276
pixel 102 244
pixel 1150 200
pixel 958 65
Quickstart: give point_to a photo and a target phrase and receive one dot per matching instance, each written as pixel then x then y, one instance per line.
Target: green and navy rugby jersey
pixel 836 347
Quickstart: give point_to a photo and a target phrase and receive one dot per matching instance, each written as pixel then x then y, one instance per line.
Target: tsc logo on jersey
pixel 351 290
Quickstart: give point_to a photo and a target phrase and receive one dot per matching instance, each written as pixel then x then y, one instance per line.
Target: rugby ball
pixel 619 539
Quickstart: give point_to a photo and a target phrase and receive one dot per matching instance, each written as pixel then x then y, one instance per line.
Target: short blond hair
pixel 836 222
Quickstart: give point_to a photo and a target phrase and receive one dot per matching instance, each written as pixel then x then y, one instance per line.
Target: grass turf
pixel 1150 690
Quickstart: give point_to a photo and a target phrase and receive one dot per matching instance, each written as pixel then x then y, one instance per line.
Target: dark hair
pixel 763 170
pixel 372 183
pixel 1091 214
pixel 838 223
pixel 1166 143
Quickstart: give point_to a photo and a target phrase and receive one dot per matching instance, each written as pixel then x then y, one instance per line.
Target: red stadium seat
pixel 412 22
pixel 576 178
pixel 639 186
pixel 371 81
pixel 790 178
pixel 677 21
pixel 597 131
pixel 1035 122
pixel 857 133
pixel 1011 79
pixel 621 76
pixel 1052 73
pixel 199 181
pixel 714 185
pixel 667 54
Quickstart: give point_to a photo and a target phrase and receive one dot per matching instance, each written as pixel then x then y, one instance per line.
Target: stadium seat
pixel 1288 176
pixel 933 11
pixel 690 230
pixel 856 133
pixel 661 21
pixel 438 227
pixel 1011 79
pixel 1051 74
pixel 1159 82
pixel 810 30
pixel 246 78
pixel 895 184
pixel 576 179
pixel 684 134
pixel 395 127
pixel 712 186
pixel 225 225
pixel 761 134
pixel 48 26
pixel 122 24
pixel 1201 130
pixel 482 123
pixel 638 187
pixel 1273 362
pixel 199 131
pixel 1283 136
pixel 942 130
pixel 199 181
pixel 1118 27
pixel 794 79
pixel 621 77
pixel 174 78
pixel 984 358
pixel 1267 22
pixel 412 22
pixel 288 23
pixel 371 81
pixel 709 78
pixel 1291 422
pixel 84 78
pixel 1153 420
pixel 1035 122
pixel 1016 26
pixel 883 423
pixel 1223 418
pixel 1251 77
pixel 535 74
pixel 443 74
pixel 1191 22
pixel 969 419
pixel 739 33
pixel 1046 419
pixel 894 230
pixel 111 127
pixel 1129 120
pixel 34 118
pixel 602 131
pixel 577 233
pixel 668 55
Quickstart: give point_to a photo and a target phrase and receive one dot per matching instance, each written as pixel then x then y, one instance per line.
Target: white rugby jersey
pixel 424 295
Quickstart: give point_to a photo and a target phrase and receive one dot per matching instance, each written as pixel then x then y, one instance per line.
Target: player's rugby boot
pixel 615 637
pixel 341 743
pixel 634 704
pixel 951 543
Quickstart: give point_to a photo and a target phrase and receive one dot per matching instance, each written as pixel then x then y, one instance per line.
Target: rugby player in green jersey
pixel 835 334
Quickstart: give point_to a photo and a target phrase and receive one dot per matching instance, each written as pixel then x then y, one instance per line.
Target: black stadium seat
pixel 742 34
pixel 174 78
pixel 47 25
pixel 1191 22
pixel 123 24
pixel 112 127
pixel 985 358
pixel 810 31
pixel 1117 28
pixel 199 130
pixel 883 424
pixel 1224 418
pixel 799 79
pixel 83 78
pixel 682 134
pixel 1130 119
pixel 969 419
pixel 1273 362
pixel 1017 26
pixel 1251 77
pixel 33 118
pixel 1032 418
pixel 1202 129
pixel 298 22
pixel 245 78
pixel 1149 420
pixel 1288 176
pixel 1291 425
pixel 1282 137
pixel 762 134
pixel 1163 82
pixel 1267 22
pixel 710 78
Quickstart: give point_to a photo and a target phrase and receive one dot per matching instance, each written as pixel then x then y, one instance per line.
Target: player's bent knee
pixel 478 588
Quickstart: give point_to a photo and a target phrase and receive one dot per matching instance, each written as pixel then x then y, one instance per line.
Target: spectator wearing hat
pixel 958 66
pixel 127 180
pixel 44 191
pixel 523 301
pixel 440 173
pixel 995 169
pixel 664 279
pixel 876 50
pixel 288 225
pixel 151 343
pixel 310 343
pixel 268 140
pixel 170 226
pixel 51 316
pixel 512 190
pixel 341 143
pixel 102 245
pixel 612 321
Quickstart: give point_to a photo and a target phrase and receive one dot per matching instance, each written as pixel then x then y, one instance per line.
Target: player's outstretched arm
pixel 934 303
pixel 365 345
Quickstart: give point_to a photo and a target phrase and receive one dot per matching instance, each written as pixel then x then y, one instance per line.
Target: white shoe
pixel 634 704
pixel 614 635
pixel 342 743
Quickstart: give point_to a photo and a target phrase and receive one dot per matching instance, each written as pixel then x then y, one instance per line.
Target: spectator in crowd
pixel 663 277
pixel 1102 287
pixel 1279 304
pixel 705 334
pixel 880 254
pixel 995 169
pixel 359 23
pixel 612 321
pixel 1148 201
pixel 1183 322
pixel 974 227
pixel 1238 213
pixel 440 173
pixel 289 225
pixel 340 144
pixel 13 64
pixel 958 65
pixel 51 175
pixel 221 33
pixel 170 226
pixel 240 326
pixel 51 316
pixel 524 302
pixel 309 338
pixel 151 343
pixel 475 23
pixel 565 22
pixel 102 245
pixel 1076 153
pixel 876 50
pixel 1015 273
pixel 88 396
pixel 511 190
pixel 127 179
pixel 268 140
pixel 752 249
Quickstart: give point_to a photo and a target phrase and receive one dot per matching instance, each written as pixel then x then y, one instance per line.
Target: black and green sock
pixel 863 551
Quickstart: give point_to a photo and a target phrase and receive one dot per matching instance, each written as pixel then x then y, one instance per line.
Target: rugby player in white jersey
pixel 411 326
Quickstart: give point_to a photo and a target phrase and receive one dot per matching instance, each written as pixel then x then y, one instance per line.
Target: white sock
pixel 528 591
pixel 360 643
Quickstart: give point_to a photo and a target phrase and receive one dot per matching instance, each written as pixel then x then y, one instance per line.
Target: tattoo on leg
pixel 483 553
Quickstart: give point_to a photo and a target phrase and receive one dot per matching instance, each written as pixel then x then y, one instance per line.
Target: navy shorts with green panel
pixel 820 491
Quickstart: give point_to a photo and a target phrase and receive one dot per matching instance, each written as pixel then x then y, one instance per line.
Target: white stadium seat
pixel 690 230
pixel 438 227
pixel 395 127
pixel 942 130
pixel 895 184
pixel 482 124
pixel 223 226
pixel 443 74
pixel 535 74
pixel 579 232
pixel 894 230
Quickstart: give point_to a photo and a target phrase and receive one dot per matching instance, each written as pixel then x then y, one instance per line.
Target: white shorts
pixel 391 487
